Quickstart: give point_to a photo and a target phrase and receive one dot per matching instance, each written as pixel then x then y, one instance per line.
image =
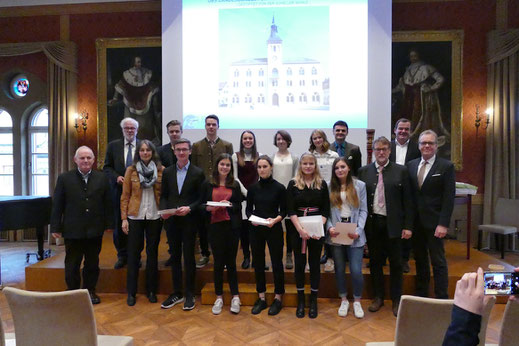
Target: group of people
pixel 207 189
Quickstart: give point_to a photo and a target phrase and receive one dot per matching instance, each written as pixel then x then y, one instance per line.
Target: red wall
pixel 475 18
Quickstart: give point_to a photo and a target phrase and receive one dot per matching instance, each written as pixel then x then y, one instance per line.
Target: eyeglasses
pixel 129 128
pixel 381 149
pixel 428 143
pixel 181 150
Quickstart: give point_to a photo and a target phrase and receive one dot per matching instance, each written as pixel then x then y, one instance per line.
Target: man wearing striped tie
pixel 433 183
pixel 119 155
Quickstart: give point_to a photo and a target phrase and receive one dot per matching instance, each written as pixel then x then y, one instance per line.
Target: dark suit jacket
pixel 236 199
pixel 352 153
pixel 435 200
pixel 412 151
pixel 167 156
pixel 397 192
pixel 190 193
pixel 80 210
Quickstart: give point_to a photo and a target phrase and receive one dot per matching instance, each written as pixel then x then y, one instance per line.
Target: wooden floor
pixel 150 325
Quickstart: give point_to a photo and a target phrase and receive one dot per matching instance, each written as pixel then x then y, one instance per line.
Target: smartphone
pixel 501 283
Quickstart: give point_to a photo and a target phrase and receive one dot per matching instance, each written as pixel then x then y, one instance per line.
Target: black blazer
pixel 190 193
pixel 398 195
pixel 80 210
pixel 167 156
pixel 435 200
pixel 352 153
pixel 412 151
pixel 115 163
pixel 236 199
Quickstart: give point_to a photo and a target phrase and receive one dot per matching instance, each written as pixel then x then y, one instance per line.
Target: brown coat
pixel 132 192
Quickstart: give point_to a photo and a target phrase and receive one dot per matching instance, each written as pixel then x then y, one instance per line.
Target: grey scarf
pixel 147 174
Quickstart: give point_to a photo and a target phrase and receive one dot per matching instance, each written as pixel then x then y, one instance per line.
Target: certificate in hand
pixel 172 211
pixel 344 229
pixel 258 220
pixel 313 225
pixel 218 204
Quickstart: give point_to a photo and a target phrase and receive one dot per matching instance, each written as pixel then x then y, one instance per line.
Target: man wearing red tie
pixel 433 184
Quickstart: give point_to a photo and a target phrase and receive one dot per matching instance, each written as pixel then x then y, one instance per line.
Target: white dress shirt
pixel 401 152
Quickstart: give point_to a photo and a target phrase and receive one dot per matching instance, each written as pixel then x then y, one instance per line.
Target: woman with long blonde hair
pixel 307 195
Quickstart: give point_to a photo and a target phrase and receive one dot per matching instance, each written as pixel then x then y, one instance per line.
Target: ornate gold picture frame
pixel 129 80
pixel 431 95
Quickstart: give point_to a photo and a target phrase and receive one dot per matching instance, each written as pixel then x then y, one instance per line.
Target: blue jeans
pixel 355 254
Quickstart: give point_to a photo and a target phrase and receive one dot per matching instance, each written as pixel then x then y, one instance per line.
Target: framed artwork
pixel 129 84
pixel 427 88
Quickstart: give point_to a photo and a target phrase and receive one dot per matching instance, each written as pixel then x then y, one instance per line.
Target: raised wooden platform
pixel 48 275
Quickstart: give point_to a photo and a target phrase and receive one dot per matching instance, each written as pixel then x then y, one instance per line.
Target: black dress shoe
pixel 312 312
pixel 169 262
pixel 405 267
pixel 152 297
pixel 396 304
pixel 323 260
pixel 121 262
pixel 94 298
pixel 246 263
pixel 275 308
pixel 300 310
pixel 376 304
pixel 259 306
pixel 131 300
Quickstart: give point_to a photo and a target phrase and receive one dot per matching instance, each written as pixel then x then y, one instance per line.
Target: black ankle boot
pixel 300 311
pixel 312 313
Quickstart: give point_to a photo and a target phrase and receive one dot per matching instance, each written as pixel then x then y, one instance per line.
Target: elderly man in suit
pixel 181 191
pixel 434 187
pixel 204 155
pixel 390 219
pixel 403 150
pixel 348 150
pixel 119 155
pixel 81 211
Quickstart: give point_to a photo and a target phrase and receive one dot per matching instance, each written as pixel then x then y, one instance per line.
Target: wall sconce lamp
pixel 81 120
pixel 479 118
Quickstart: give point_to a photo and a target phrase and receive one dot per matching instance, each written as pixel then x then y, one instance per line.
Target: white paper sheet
pixel 313 225
pixel 344 229
pixel 218 204
pixel 258 220
pixel 172 211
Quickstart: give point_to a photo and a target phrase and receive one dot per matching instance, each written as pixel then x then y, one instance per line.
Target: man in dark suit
pixel 119 155
pixel 434 187
pixel 166 152
pixel 81 211
pixel 390 219
pixel 403 150
pixel 181 190
pixel 348 150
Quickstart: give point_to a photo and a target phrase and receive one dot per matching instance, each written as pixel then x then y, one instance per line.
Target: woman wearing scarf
pixel 140 218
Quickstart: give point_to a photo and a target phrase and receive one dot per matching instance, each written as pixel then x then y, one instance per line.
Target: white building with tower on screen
pixel 274 81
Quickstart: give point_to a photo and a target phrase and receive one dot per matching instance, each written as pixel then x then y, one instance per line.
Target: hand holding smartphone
pixel 501 283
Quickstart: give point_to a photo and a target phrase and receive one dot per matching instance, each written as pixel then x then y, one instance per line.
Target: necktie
pixel 380 188
pixel 340 150
pixel 421 174
pixel 129 156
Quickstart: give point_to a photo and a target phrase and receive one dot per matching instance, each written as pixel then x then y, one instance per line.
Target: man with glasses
pixel 181 191
pixel 433 184
pixel 390 219
pixel 119 155
pixel 347 150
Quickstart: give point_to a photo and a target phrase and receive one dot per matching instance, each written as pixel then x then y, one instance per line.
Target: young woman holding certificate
pixel 267 200
pixel 224 227
pixel 348 205
pixel 307 195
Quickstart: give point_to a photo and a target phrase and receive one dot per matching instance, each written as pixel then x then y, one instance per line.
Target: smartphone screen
pixel 501 283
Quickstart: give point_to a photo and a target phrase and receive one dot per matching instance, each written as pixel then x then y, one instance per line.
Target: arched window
pixel 289 71
pixel 314 70
pixel 249 73
pixel 290 98
pixel 6 154
pixel 261 72
pixel 236 73
pixel 275 73
pixel 39 152
pixel 301 71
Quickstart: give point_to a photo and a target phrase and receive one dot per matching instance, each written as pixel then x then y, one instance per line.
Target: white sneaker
pixel 329 266
pixel 357 310
pixel 307 267
pixel 235 305
pixel 217 307
pixel 343 310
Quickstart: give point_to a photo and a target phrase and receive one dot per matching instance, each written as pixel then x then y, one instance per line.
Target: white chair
pixel 509 333
pixel 506 221
pixel 56 318
pixel 6 339
pixel 424 321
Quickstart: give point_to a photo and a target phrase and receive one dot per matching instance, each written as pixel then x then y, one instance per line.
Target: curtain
pixel 62 91
pixel 502 142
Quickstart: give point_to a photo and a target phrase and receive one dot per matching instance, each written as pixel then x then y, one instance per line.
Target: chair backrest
pixel 509 334
pixel 57 318
pixel 506 212
pixel 2 336
pixel 424 321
